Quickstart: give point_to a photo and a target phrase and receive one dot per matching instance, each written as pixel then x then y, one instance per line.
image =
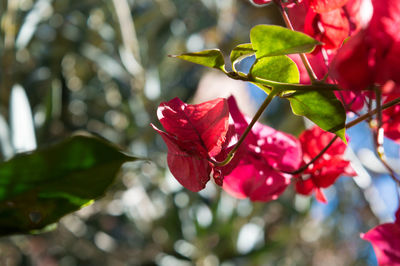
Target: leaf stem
pixel 294 87
pixel 262 108
pixel 318 85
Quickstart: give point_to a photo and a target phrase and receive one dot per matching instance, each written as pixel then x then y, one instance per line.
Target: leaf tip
pixel 341 133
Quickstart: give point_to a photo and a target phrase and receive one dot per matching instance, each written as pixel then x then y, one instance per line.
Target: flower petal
pixel 192 172
pixel 255 180
pixel 385 239
pixel 205 124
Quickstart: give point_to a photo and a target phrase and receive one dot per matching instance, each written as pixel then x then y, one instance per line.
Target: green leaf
pixel 38 188
pixel 209 58
pixel 270 40
pixel 275 68
pixel 321 107
pixel 241 51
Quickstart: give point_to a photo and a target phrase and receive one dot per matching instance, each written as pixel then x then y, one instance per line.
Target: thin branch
pixel 304 59
pixel 371 113
pixel 379 137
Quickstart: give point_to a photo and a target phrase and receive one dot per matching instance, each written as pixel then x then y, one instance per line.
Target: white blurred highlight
pixel 21 121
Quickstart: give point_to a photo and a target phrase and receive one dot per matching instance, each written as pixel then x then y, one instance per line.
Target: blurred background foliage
pixel 103 67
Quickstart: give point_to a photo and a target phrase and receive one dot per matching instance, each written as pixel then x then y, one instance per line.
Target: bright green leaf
pixel 321 107
pixel 209 58
pixel 241 51
pixel 275 68
pixel 38 188
pixel 270 40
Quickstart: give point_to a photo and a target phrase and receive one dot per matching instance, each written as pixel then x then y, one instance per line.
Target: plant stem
pixel 316 86
pixel 371 113
pixel 303 57
pixel 319 86
pixel 379 137
pixel 231 154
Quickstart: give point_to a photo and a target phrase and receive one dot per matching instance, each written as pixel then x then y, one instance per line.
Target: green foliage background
pixel 84 68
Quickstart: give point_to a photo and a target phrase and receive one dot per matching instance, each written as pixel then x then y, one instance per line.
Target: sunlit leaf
pixel 323 108
pixel 270 40
pixel 275 68
pixel 210 58
pixel 38 188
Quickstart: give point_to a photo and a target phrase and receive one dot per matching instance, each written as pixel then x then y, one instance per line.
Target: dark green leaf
pixel 323 108
pixel 275 68
pixel 270 40
pixel 209 58
pixel 240 51
pixel 38 188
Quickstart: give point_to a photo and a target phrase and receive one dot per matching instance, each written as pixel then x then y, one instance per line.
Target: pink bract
pixel 326 169
pixel 331 28
pixel 330 22
pixel 263 155
pixel 385 240
pixel 194 133
pixel 372 57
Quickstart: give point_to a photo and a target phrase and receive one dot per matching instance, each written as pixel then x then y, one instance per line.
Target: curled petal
pixel 191 171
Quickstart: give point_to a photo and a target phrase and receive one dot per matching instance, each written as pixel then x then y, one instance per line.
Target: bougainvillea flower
pixel 391 120
pixel 351 67
pixel 326 169
pixel 194 133
pixel 330 28
pixel 372 56
pixel 330 25
pixel 385 240
pixel 262 156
